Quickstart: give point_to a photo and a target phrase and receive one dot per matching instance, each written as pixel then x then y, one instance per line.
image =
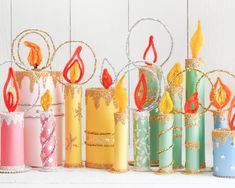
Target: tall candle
pixel 192 77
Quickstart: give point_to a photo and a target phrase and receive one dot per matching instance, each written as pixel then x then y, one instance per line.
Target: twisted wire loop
pixel 106 61
pixel 82 43
pixel 206 75
pixel 30 106
pixel 16 47
pixel 151 20
pixel 46 143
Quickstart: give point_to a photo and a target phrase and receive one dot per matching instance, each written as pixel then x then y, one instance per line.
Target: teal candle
pixel 141 140
pixel 152 89
pixel 192 143
pixel 176 96
pixel 191 80
pixel 166 143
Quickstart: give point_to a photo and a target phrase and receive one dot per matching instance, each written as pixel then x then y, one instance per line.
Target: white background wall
pixel 104 25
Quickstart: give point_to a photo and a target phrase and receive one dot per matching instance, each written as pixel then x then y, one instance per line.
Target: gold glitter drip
pixel 164 118
pixel 192 145
pixel 194 63
pixel 176 92
pixel 97 93
pixel 120 118
pixel 191 172
pixel 71 89
pixel 221 114
pixel 55 75
pixel 194 119
pixel 176 128
pixel 100 166
pixel 222 134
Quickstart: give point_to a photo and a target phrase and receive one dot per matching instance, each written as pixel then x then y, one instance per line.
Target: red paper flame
pixel 231 120
pixel 74 59
pixel 150 45
pixel 140 101
pixel 192 100
pixel 106 79
pixel 11 91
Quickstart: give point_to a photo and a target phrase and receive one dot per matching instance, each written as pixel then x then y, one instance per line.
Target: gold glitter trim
pixel 165 131
pixel 191 172
pixel 192 145
pixel 166 149
pixel 120 118
pixel 221 114
pixel 194 117
pixel 55 75
pixel 177 135
pixel 71 90
pixel 176 92
pixel 222 134
pixel 160 171
pixel 100 145
pixel 164 118
pixel 154 163
pixel 94 133
pixel 178 166
pixel 99 166
pixel 67 165
pixel 97 93
pixel 112 170
pixel 177 128
pixel 194 63
pixel 154 118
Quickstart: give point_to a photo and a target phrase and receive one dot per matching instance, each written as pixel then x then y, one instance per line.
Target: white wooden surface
pixel 104 25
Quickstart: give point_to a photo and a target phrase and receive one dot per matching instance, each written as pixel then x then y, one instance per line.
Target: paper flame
pixel 166 104
pixel 196 41
pixel 120 95
pixel 46 100
pixel 150 46
pixel 140 100
pixel 107 80
pixel 171 77
pixel 193 100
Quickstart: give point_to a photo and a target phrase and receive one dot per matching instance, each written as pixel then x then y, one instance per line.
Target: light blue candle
pixel 220 119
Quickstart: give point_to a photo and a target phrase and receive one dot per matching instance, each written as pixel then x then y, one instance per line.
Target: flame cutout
pixel 152 46
pixel 35 54
pixel 193 100
pixel 196 41
pixel 220 97
pixel 171 77
pixel 11 91
pixel 75 59
pixel 46 100
pixel 120 95
pixel 166 104
pixel 140 101
pixel 231 121
pixel 107 80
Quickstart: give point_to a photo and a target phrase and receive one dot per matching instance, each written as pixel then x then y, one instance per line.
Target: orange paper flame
pixel 140 101
pixel 74 59
pixel 220 97
pixel 11 91
pixel 231 118
pixel 35 54
pixel 152 46
pixel 193 100
pixel 106 79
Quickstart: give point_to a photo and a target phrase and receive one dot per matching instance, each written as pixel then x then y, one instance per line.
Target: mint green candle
pixel 176 96
pixel 192 143
pixel 191 80
pixel 141 140
pixel 166 143
pixel 152 89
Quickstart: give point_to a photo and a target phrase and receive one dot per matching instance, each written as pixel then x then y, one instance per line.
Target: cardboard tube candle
pixel 176 91
pixel 121 129
pixel 219 98
pixel 48 133
pixel 166 145
pixel 73 97
pixel 192 142
pixel 12 128
pixel 192 77
pixel 141 134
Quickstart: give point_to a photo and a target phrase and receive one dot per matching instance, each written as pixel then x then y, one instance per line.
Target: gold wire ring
pixel 76 41
pixel 211 72
pixel 43 34
pixel 203 75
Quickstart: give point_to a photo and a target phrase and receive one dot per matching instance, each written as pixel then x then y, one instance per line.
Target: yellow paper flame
pixel 46 100
pixel 196 41
pixel 220 96
pixel 74 72
pixel 171 77
pixel 166 104
pixel 120 95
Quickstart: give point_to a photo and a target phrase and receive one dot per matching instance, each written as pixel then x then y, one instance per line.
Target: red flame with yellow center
pixel 192 104
pixel 151 46
pixel 11 91
pixel 221 96
pixel 141 86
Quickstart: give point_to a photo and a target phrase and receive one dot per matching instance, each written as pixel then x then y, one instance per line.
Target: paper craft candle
pixel 153 88
pixel 219 98
pixel 175 90
pixel 192 141
pixel 121 129
pixel 192 77
pixel 100 109
pixel 48 133
pixel 73 73
pixel 166 145
pixel 12 128
pixel 141 134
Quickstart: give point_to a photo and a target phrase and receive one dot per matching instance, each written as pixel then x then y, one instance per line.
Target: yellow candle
pixel 73 124
pixel 100 108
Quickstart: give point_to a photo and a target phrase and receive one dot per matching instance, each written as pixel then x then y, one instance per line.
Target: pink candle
pixel 12 140
pixel 48 140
